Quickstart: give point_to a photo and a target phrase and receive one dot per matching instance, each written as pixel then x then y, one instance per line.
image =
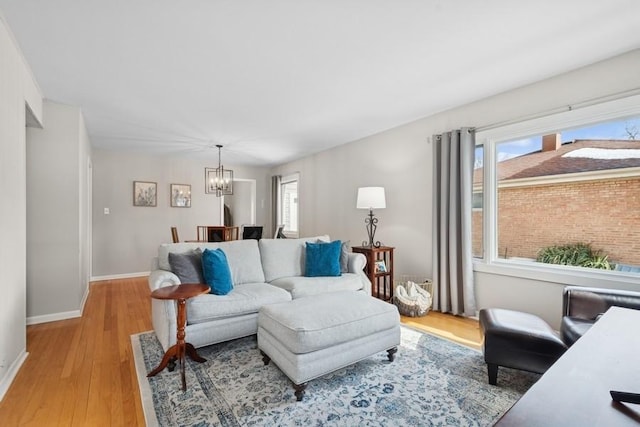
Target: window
pixel 289 204
pixel 477 214
pixel 563 189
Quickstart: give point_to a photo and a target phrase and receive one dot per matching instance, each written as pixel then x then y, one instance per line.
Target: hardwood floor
pixel 463 330
pixel 80 372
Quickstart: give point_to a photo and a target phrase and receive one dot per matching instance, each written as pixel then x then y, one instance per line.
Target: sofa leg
pixel 391 354
pixel 266 359
pixel 300 389
pixel 492 369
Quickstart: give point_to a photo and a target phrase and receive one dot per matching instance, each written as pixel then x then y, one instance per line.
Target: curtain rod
pixel 564 108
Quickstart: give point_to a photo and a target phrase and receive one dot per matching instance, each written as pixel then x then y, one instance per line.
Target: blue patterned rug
pixel 432 382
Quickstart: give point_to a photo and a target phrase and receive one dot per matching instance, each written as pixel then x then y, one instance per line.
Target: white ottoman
pixel 310 337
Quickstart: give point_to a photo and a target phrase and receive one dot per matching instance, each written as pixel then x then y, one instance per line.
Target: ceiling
pixel 278 80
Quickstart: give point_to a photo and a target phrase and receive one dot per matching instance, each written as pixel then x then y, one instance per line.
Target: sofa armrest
pixel 163 318
pixel 589 303
pixel 163 312
pixel 356 263
pixel 160 278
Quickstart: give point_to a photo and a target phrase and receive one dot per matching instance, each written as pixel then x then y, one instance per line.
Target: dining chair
pixel 280 232
pixel 252 232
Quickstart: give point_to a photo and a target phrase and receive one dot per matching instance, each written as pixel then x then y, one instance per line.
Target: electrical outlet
pixel 106 211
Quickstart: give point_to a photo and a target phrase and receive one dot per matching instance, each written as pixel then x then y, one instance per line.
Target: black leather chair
pixel 582 307
pixel 519 340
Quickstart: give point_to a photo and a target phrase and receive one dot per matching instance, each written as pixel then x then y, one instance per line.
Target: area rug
pixel 432 382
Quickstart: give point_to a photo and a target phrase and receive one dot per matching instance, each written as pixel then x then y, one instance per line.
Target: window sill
pixel 566 275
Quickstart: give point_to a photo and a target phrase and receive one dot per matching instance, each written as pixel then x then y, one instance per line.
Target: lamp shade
pixel 371 198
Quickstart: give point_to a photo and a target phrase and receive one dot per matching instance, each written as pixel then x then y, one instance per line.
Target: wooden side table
pixel 180 293
pixel 381 281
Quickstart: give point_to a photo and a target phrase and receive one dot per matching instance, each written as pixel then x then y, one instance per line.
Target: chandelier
pixel 218 180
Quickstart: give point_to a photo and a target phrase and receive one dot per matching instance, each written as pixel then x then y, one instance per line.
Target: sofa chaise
pixel 263 272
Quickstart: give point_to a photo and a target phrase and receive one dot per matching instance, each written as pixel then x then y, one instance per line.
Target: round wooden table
pixel 180 293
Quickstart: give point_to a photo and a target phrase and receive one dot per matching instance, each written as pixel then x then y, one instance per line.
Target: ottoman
pixel 310 337
pixel 518 340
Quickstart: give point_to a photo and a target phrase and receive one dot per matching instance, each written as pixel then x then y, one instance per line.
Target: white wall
pixel 84 209
pixel 400 160
pixel 17 90
pixel 57 223
pixel 241 203
pixel 125 240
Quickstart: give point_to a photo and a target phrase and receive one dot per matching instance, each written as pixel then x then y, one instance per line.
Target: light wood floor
pixel 80 372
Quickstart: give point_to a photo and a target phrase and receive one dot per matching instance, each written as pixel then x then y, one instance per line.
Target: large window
pixel 289 204
pixel 561 190
pixel 477 214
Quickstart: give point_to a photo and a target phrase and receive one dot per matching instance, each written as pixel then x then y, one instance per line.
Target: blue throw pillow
pixel 215 269
pixel 323 259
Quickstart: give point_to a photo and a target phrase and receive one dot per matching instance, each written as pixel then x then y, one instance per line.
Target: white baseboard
pixel 5 383
pixel 84 299
pixel 34 320
pixel 119 276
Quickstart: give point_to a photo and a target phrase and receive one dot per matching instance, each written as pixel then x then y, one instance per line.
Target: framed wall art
pixel 180 196
pixel 145 193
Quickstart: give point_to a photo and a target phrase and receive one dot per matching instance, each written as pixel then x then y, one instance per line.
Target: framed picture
pixel 145 193
pixel 180 196
pixel 380 266
pixel 279 234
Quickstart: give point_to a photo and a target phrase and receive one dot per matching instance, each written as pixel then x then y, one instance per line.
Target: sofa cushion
pixel 243 257
pixel 215 269
pixel 301 286
pixel 284 257
pixel 244 260
pixel 311 324
pixel 187 266
pixel 242 300
pixel 322 259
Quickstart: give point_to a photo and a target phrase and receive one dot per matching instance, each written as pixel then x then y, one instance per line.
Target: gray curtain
pixel 275 201
pixel 453 290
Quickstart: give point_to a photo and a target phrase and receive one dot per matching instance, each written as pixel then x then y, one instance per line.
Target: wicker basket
pixel 408 306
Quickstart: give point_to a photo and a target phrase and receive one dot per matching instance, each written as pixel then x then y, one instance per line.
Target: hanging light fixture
pixel 218 180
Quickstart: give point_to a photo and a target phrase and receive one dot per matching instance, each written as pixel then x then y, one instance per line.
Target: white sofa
pixel 263 272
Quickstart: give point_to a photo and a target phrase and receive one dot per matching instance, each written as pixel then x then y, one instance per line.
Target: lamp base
pixel 372 225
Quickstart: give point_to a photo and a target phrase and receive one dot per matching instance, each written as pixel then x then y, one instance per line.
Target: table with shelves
pixel 381 281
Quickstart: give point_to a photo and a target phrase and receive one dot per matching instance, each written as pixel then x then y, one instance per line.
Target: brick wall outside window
pixel 604 213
